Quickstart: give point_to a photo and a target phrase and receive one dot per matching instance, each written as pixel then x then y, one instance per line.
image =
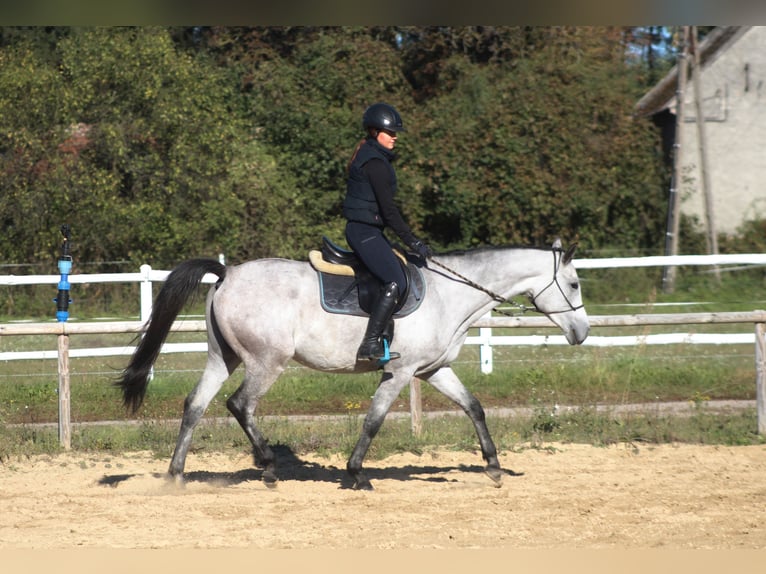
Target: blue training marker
pixel 65 268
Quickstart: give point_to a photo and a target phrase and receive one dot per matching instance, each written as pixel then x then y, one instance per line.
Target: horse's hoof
pixel 496 474
pixel 363 485
pixel 361 482
pixel 269 479
pixel 176 480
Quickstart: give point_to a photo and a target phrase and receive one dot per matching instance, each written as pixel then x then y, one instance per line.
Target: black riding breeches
pixel 372 247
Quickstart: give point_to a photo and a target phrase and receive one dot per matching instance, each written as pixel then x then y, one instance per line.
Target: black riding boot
pixel 373 347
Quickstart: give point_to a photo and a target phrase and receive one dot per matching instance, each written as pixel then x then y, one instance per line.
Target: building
pixel 733 100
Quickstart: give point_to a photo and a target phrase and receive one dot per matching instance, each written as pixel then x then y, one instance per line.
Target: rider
pixel 369 207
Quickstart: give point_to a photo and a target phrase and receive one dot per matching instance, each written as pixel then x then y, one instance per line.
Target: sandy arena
pixel 563 497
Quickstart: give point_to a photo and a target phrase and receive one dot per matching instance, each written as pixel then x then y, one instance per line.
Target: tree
pixel 156 144
pixel 139 146
pixel 306 98
pixel 544 145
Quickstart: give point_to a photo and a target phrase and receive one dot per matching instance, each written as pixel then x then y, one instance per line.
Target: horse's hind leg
pixel 242 405
pixel 215 374
pixel 446 381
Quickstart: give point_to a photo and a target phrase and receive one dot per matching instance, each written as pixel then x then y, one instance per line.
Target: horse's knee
pixel 474 409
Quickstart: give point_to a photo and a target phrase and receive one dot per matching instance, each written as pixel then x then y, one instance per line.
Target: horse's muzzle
pixel 577 334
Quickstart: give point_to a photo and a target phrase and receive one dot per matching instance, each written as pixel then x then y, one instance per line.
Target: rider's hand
pixel 423 250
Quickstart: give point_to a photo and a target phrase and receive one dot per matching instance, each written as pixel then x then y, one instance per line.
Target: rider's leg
pixel 373 348
pixel 372 247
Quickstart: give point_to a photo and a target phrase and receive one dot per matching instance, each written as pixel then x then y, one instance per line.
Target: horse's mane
pixel 488 248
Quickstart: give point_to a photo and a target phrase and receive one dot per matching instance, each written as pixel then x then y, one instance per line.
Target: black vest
pixel 360 203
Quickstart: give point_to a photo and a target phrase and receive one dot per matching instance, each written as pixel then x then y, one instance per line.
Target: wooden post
pixel 760 376
pixel 65 426
pixel 711 236
pixel 674 202
pixel 416 407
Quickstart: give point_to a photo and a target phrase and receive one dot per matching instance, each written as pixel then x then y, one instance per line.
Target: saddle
pixel 347 287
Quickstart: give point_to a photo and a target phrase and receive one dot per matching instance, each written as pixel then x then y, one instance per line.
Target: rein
pixel 523 308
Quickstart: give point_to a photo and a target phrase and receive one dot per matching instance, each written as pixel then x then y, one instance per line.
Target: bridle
pixel 555 281
pixel 558 254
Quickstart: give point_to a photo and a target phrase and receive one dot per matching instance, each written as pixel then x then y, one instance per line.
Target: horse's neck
pixel 507 272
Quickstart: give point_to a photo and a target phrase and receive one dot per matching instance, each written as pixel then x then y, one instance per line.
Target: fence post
pixel 146 293
pixel 146 302
pixel 485 350
pixel 416 407
pixel 65 419
pixel 760 376
pixel 62 314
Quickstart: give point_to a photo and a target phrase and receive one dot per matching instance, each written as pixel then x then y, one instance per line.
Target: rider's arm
pixel 380 178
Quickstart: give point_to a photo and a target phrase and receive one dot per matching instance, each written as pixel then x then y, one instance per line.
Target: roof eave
pixel 661 96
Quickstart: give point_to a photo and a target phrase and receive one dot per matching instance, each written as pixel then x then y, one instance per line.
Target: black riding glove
pixel 423 250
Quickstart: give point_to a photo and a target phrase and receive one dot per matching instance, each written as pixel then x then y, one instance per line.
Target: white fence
pixel 147 276
pixel 485 339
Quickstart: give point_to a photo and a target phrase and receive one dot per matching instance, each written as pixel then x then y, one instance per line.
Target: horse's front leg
pixel 389 388
pixel 446 381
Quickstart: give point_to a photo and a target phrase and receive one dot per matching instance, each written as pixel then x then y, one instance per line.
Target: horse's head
pixel 560 298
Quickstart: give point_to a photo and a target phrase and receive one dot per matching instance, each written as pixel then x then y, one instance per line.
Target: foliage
pixel 751 238
pixel 139 147
pixel 537 152
pixel 306 107
pixel 156 144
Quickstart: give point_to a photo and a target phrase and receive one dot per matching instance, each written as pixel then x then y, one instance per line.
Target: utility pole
pixel 674 201
pixel 711 236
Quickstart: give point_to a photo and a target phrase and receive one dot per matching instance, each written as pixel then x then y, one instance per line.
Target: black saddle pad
pixel 339 293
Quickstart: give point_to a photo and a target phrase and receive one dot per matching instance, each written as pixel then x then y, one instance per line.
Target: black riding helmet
pixel 382 117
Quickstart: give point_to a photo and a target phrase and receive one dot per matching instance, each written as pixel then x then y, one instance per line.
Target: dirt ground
pixel 564 496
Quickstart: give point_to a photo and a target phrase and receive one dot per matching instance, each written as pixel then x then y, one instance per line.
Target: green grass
pixel 538 378
pixel 542 429
pixel 522 377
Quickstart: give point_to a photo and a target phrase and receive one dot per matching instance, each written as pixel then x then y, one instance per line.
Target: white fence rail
pixel 485 339
pixel 63 330
pixel 147 276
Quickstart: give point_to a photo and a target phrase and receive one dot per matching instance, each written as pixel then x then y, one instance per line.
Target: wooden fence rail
pixel 147 276
pixel 64 329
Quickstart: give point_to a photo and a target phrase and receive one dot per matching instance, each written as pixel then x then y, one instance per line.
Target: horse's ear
pixel 557 243
pixel 569 254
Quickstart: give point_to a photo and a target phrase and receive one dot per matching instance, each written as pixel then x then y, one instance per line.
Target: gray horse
pixel 265 313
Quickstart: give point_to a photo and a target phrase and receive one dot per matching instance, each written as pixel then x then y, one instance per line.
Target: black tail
pixel 180 285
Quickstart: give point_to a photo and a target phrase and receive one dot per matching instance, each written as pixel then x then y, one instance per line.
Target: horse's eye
pixel 574 285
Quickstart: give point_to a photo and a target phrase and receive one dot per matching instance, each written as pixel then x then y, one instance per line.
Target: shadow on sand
pixel 291 467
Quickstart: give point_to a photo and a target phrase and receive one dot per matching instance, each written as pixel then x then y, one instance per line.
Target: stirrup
pixel 382 356
pixel 387 354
